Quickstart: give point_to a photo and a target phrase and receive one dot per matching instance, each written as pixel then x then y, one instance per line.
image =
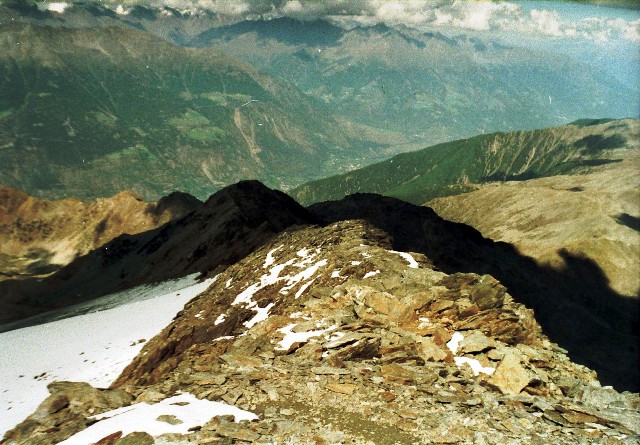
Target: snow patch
pixel 371 274
pixel 365 254
pixel 302 276
pixel 94 347
pixel 303 288
pixel 262 313
pixel 58 7
pixel 270 260
pixel 228 283
pixel 199 314
pixel 454 343
pixel 191 411
pixel 272 277
pixel 121 11
pixel 224 337
pixel 407 256
pixel 221 318
pixel 356 263
pixel 291 337
pixel 475 365
pixel 336 274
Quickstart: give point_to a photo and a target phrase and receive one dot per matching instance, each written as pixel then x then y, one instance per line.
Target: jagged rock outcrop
pixel 40 236
pixel 228 226
pixel 330 336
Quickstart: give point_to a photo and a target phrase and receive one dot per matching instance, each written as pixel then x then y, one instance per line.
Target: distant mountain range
pixel 432 87
pixel 91 112
pixel 456 167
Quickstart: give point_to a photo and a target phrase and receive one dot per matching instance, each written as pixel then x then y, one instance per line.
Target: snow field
pixel 93 348
pixel 186 408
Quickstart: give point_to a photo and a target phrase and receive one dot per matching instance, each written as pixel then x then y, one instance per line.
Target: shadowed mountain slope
pixel 593 214
pixel 573 303
pixel 327 335
pixel 228 226
pixel 40 236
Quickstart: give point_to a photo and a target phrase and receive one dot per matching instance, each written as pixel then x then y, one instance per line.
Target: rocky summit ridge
pixel 330 335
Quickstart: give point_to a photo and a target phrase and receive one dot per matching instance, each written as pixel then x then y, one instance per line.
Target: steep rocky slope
pixel 330 336
pixel 228 226
pixel 40 236
pixel 455 167
pixel 595 214
pixel 93 111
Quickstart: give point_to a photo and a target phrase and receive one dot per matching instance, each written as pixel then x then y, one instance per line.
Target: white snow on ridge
pixel 262 313
pixel 221 318
pixel 94 347
pixel 373 273
pixel 58 7
pixel 269 260
pixel 191 411
pixel 291 337
pixel 407 256
pixel 454 343
pixel 475 365
pixel 273 276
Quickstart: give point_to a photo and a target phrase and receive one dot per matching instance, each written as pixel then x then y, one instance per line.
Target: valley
pixel 77 105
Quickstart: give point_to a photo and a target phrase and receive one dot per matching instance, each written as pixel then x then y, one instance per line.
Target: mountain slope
pixel 594 214
pixel 574 303
pixel 40 236
pixel 420 83
pixel 454 167
pixel 92 112
pixel 227 227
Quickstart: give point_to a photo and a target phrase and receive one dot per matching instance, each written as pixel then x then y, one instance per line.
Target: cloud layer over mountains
pixel 532 19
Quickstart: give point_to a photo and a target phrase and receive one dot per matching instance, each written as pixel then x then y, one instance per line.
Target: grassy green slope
pixel 454 167
pixel 90 112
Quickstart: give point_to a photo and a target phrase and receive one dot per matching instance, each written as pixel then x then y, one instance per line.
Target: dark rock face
pixel 227 227
pixel 329 335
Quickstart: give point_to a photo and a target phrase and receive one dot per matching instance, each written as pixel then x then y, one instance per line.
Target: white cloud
pixel 442 15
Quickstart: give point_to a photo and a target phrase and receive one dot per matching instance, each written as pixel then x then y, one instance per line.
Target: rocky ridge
pixel 331 336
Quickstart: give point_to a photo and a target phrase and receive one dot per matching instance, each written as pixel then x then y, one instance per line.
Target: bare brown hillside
pixel 38 236
pixel 595 214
